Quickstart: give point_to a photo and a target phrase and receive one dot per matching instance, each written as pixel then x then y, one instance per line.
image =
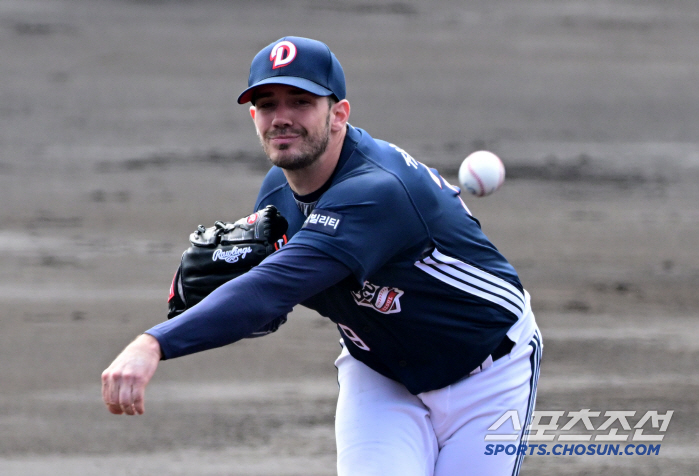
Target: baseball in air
pixel 481 173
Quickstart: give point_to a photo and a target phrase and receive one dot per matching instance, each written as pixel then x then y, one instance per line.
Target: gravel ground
pixel 119 133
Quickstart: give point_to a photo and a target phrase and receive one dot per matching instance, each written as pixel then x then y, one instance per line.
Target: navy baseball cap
pixel 300 62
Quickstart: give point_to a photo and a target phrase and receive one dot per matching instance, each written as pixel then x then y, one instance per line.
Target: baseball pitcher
pixel 438 336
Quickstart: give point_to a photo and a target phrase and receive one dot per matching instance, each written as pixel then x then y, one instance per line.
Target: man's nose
pixel 282 117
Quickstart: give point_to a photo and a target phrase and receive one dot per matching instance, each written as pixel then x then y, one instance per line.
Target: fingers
pixel 123 392
pixel 110 393
pixel 139 404
pixel 124 381
pixel 129 395
pixel 116 392
pixel 124 395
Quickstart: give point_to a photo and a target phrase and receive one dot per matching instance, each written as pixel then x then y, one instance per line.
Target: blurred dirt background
pixel 119 133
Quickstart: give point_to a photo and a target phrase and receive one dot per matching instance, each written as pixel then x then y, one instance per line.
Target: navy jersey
pixel 430 297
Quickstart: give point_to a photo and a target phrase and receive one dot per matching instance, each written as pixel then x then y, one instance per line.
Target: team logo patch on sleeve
pixel 322 221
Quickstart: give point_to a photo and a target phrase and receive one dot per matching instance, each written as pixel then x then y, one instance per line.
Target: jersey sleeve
pixel 247 303
pixel 365 222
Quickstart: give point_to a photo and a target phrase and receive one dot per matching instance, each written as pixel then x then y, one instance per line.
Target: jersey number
pixel 411 162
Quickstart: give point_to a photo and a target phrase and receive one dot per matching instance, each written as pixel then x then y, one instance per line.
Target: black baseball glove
pixel 224 252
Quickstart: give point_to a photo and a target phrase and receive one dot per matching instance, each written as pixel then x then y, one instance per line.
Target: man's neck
pixel 310 179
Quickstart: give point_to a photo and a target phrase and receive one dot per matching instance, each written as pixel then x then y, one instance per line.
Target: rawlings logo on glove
pixel 233 255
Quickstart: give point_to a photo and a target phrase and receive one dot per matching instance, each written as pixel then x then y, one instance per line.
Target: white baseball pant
pixel 382 429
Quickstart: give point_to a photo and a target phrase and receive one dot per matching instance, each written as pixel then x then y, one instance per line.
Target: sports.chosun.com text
pixel 559 449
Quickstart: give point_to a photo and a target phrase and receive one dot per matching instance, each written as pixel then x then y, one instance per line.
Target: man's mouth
pixel 283 138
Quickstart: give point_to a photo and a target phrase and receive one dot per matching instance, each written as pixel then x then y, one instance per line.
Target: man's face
pixel 293 125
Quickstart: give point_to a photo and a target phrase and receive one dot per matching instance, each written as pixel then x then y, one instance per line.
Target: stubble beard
pixel 312 147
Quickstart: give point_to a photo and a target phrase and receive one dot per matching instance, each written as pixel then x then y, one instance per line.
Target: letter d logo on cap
pixel 282 54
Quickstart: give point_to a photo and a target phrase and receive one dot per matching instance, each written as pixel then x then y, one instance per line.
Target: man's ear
pixel 341 112
pixel 252 114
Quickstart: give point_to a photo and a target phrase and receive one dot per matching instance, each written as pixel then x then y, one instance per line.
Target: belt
pixel 503 348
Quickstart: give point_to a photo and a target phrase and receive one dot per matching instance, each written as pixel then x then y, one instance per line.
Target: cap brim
pixel 300 83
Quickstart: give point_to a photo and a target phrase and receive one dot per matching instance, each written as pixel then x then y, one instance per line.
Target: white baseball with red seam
pixel 481 173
